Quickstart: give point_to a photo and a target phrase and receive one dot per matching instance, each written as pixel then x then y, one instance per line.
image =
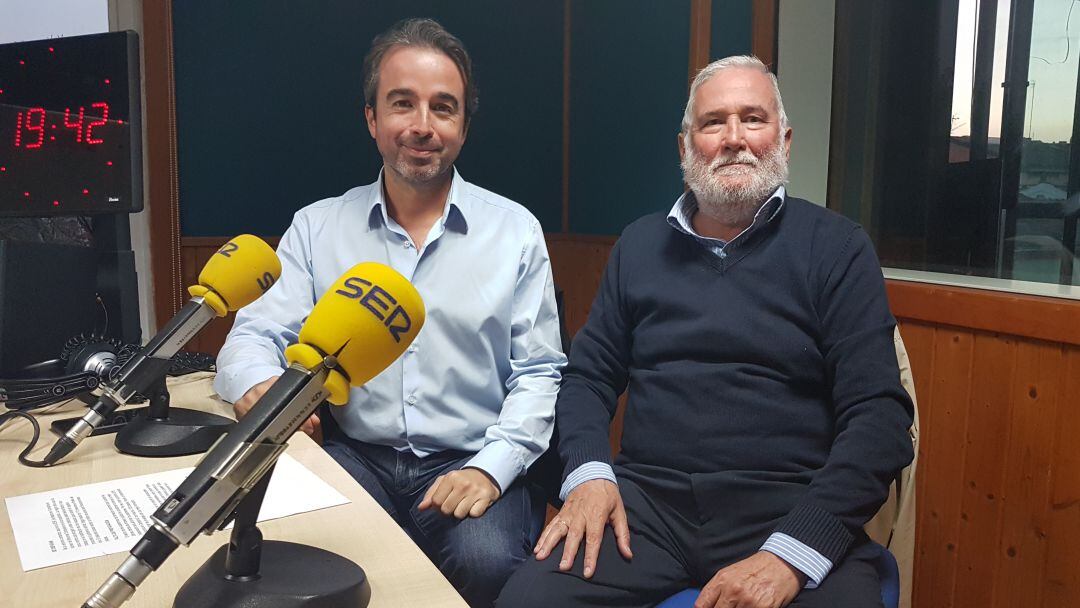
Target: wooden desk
pixel 400 574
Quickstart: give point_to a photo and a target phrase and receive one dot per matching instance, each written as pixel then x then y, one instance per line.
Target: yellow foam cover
pixel 367 318
pixel 237 274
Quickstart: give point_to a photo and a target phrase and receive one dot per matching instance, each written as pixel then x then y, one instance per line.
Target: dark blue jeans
pixel 477 554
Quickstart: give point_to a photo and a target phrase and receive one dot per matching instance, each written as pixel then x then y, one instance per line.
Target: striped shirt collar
pixel 681 215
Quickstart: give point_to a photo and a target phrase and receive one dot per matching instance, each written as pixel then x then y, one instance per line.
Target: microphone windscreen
pixel 241 271
pixel 367 318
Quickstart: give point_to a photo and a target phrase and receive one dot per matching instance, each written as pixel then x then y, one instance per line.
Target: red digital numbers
pixel 33 121
pixel 104 107
pixel 39 113
pixel 74 125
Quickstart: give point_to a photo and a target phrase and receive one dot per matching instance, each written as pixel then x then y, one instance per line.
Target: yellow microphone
pixel 367 318
pixel 236 275
pixel 360 326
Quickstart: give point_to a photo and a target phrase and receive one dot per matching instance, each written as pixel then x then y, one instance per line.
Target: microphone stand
pixel 159 430
pixel 272 574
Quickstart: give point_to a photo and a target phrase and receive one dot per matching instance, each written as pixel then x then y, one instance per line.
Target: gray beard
pixel 735 203
pixel 418 175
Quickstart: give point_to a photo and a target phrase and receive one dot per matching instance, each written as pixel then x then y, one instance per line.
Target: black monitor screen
pixel 70 126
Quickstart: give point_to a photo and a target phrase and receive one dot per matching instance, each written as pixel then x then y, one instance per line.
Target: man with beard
pixel 765 419
pixel 441 438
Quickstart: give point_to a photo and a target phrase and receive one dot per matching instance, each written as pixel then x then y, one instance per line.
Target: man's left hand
pixel 762 580
pixel 463 493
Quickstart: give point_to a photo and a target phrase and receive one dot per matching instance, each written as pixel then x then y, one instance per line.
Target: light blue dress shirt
pixel 483 373
pixel 808 561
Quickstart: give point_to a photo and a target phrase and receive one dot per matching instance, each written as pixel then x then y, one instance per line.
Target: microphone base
pixel 290 576
pixel 180 433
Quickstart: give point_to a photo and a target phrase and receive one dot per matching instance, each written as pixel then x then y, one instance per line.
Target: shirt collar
pixel 454 212
pixel 681 215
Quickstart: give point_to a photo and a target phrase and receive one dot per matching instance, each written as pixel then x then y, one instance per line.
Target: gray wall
pixel 805 55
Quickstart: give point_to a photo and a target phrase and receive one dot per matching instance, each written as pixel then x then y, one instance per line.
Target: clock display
pixel 70 128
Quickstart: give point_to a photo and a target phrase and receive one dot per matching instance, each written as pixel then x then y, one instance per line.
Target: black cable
pixel 37 464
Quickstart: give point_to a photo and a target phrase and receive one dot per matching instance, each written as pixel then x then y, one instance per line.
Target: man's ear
pixel 682 146
pixel 369 118
pixel 787 143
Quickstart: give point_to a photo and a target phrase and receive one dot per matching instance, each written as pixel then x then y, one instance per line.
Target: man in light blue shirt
pixel 442 438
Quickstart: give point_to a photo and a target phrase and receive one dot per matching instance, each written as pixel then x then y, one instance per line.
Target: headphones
pixel 86 361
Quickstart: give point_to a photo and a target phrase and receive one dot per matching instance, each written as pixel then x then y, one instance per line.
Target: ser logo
pixel 378 301
pixel 265 282
pixel 228 249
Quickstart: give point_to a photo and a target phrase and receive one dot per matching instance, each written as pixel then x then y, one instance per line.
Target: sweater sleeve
pixel 871 410
pixel 595 376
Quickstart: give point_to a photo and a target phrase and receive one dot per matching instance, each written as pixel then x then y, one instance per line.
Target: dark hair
pixel 425 33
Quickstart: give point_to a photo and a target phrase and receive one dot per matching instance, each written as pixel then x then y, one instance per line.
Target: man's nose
pixel 733 136
pixel 421 125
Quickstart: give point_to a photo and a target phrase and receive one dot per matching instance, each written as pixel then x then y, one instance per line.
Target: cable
pixel 8 416
pixel 1068 43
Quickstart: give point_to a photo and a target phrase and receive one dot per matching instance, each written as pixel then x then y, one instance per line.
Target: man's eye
pixel 756 119
pixel 401 103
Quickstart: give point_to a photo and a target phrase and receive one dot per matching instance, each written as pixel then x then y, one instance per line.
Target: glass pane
pixel 949 170
pixel 1044 244
pixel 963 80
pixel 1001 39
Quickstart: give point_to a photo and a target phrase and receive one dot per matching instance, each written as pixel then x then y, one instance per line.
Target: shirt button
pixel 411 400
pixel 407 245
pixel 411 349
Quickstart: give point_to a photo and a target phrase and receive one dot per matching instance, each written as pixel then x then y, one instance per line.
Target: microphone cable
pixel 24 455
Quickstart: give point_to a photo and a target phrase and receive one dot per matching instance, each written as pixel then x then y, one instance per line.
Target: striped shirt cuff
pixel 811 563
pixel 586 472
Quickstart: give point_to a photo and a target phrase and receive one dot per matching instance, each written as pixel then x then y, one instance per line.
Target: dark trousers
pixel 478 554
pixel 680 540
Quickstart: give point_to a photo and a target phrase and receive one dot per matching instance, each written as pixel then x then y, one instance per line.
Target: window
pixel 952 136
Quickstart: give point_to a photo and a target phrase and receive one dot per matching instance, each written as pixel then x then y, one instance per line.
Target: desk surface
pixel 400 574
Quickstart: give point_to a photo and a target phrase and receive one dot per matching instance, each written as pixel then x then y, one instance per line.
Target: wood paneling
pixel 994 362
pixel 763 38
pixel 700 35
pixel 159 120
pixel 1050 319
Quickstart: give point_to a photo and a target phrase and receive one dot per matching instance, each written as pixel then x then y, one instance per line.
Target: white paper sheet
pixel 73 524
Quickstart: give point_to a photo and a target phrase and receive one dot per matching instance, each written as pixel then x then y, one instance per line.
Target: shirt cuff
pixel 586 472
pixel 801 557
pixel 232 384
pixel 500 461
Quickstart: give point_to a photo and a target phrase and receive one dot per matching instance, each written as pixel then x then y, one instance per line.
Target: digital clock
pixel 70 126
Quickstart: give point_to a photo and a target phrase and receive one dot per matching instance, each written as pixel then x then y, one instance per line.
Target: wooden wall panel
pixel 1021 553
pixel 944 410
pixel 578 264
pixel 1063 531
pixel 984 467
pixel 999 475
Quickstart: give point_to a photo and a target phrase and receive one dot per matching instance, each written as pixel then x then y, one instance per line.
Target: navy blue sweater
pixel 775 364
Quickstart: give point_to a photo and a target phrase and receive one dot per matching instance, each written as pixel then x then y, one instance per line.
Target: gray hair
pixel 734 61
pixel 424 33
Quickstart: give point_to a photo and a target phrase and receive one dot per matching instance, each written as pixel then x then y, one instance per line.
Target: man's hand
pixel 312 427
pixel 762 580
pixel 588 508
pixel 463 493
